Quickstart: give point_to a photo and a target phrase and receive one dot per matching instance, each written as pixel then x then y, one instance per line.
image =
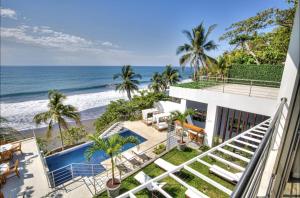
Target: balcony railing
pixel 250 87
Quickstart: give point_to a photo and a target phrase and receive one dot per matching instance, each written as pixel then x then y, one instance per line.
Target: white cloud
pixel 8 13
pixel 46 37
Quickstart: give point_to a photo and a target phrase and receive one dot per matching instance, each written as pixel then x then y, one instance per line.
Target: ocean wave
pixel 20 114
pixel 104 87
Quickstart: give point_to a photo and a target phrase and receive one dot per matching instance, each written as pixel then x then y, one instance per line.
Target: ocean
pixel 90 88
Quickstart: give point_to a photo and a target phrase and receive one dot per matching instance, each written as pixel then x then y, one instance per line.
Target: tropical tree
pixel 157 82
pixel 129 80
pixel 220 68
pixel 73 135
pixel 57 112
pixel 170 75
pixel 181 117
pixel 112 147
pixel 195 52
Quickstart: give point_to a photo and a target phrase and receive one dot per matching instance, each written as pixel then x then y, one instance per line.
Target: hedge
pixel 257 72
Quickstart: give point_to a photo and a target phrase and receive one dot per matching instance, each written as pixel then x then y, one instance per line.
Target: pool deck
pixel 33 181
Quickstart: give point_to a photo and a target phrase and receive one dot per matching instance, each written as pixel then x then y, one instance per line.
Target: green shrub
pixel 257 72
pixel 159 149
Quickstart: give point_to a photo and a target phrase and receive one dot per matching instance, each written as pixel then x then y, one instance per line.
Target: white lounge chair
pixel 190 194
pixel 229 176
pixel 164 164
pixel 143 178
pixel 131 159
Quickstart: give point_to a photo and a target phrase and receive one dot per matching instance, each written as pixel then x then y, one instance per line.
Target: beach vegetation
pixel 170 76
pixel 157 83
pixel 195 50
pixel 57 114
pixel 112 147
pixel 122 110
pixel 129 80
pixel 74 135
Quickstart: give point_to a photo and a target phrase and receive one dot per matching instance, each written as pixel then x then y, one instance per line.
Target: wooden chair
pixel 13 169
pixel 6 155
pixel 17 147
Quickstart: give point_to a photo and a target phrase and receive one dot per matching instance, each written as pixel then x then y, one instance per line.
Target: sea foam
pixel 20 114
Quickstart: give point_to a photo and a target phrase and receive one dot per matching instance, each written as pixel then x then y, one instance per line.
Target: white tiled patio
pixel 33 181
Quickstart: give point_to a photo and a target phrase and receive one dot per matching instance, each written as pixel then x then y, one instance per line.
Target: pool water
pixel 60 163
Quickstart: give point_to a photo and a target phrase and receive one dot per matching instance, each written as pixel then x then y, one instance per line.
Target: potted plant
pixel 181 118
pixel 112 146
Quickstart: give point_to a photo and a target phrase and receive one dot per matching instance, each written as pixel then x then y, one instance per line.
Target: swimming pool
pixel 68 164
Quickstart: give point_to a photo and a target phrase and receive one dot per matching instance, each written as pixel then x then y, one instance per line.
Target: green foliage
pixel 159 149
pixel 170 76
pixel 42 144
pixel 129 80
pixel 73 135
pixel 127 110
pixel 257 72
pixel 252 47
pixel 204 148
pixel 157 83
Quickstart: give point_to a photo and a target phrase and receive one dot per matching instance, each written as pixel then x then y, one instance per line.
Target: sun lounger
pixel 164 164
pixel 229 176
pixel 142 178
pixel 123 168
pixel 141 155
pixel 131 159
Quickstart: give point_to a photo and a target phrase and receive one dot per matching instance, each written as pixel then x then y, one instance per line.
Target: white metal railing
pixel 248 87
pixel 262 126
pixel 73 171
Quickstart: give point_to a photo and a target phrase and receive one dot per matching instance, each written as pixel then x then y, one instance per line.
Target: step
pixel 258 131
pixel 233 165
pixel 240 148
pixel 254 134
pixel 208 180
pixel 251 139
pixel 234 155
pixel 246 143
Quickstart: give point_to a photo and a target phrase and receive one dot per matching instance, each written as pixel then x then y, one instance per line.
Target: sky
pixel 113 32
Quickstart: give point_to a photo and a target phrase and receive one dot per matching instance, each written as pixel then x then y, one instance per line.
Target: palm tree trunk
pixel 128 94
pixel 112 169
pixel 61 137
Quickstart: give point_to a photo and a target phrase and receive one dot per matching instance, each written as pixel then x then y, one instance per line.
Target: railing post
pixel 72 174
pixel 250 88
pixel 223 84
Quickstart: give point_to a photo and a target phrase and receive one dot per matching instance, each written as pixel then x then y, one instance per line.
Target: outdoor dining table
pixel 5 147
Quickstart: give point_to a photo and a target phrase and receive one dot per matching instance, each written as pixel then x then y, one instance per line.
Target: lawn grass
pixel 198 84
pixel 172 187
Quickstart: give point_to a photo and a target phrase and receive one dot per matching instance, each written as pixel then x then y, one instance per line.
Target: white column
pixel 210 124
pixel 182 105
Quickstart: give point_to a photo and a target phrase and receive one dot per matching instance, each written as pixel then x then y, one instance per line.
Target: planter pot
pixel 113 190
pixel 181 146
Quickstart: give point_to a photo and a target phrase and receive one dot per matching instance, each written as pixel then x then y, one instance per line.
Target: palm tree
pixel 57 113
pixel 157 83
pixel 112 147
pixel 171 76
pixel 195 50
pixel 129 80
pixel 181 117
